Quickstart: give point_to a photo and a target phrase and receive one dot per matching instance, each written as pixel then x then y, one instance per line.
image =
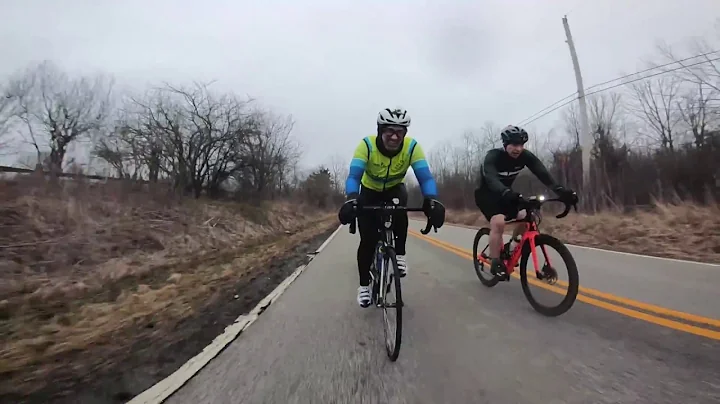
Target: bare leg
pixel 497 226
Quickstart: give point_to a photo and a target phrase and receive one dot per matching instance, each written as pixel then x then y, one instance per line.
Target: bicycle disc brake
pixel 548 274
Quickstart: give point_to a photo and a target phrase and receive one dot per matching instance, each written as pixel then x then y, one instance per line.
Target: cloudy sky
pixel 333 64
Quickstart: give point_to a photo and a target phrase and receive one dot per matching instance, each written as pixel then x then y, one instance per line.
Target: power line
pixel 533 117
pixel 528 120
pixel 652 75
pixel 651 68
pixel 552 110
pixel 550 106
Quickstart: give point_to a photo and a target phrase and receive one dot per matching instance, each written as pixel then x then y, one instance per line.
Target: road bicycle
pixel 381 277
pixel 526 248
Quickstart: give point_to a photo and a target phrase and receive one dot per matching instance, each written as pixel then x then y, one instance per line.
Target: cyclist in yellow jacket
pixel 377 173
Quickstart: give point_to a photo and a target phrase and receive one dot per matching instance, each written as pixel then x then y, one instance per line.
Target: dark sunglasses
pixel 398 130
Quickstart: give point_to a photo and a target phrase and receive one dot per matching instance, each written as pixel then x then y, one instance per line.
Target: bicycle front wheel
pixel 550 275
pixel 392 306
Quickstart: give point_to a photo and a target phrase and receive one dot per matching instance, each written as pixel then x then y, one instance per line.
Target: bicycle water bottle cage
pixel 506 253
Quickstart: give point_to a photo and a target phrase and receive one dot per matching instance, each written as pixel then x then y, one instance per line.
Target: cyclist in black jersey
pixel 494 196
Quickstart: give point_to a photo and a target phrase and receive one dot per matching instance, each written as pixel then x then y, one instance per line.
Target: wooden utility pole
pixel 584 129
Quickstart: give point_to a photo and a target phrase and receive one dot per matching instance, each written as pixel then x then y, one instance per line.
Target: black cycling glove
pixel 434 210
pixel 511 197
pixel 566 195
pixel 347 210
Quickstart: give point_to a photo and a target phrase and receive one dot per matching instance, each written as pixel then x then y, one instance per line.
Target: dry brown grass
pixel 684 231
pixel 85 267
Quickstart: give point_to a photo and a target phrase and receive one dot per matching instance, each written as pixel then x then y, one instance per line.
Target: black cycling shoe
pixel 497 268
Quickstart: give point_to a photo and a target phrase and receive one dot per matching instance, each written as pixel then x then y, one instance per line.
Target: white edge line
pixel 644 256
pixel 323 245
pixel 161 390
pixel 619 252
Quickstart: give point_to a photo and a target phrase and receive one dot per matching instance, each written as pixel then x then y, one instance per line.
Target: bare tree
pixel 192 135
pixel 267 151
pixel 139 140
pixel 655 100
pixel 439 159
pixel 338 167
pixel 698 114
pixel 110 150
pixel 490 136
pixel 58 110
pixel 571 124
pixel 701 70
pixel 7 112
pixel 203 141
pixel 604 113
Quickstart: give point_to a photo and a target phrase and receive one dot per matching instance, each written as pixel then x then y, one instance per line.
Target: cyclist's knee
pixel 497 222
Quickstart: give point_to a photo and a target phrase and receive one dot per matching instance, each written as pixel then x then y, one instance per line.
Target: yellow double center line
pixel 585 293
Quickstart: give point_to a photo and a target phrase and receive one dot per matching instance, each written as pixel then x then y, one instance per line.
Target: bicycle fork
pixel 547 272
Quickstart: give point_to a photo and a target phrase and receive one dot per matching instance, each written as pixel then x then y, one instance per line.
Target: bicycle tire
pixel 394 351
pixel 493 280
pixel 573 283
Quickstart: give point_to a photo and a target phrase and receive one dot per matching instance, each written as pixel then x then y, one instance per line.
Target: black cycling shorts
pixel 490 204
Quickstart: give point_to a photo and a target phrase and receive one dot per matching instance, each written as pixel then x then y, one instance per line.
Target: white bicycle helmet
pixel 397 116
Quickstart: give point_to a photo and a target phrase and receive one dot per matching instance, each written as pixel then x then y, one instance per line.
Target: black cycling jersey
pixel 499 170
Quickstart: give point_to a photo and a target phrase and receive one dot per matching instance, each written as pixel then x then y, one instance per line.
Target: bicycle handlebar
pixel 390 208
pixel 536 201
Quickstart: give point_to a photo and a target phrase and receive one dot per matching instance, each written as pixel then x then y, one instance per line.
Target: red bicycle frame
pixel 531 231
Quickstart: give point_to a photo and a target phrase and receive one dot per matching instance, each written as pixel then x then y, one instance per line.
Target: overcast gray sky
pixel 333 64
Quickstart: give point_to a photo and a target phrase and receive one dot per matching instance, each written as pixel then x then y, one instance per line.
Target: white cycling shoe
pixel 363 296
pixel 402 265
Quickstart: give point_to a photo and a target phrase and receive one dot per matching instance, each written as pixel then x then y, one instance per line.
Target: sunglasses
pixel 395 130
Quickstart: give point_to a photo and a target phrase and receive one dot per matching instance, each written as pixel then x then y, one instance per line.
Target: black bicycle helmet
pixel 513 135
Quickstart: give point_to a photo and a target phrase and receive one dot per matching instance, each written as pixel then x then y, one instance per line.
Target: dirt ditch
pixel 170 320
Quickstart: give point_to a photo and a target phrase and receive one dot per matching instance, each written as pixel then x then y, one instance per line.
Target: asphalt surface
pixel 685 286
pixel 464 343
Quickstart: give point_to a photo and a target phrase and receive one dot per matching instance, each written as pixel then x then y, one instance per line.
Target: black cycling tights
pixel 368 223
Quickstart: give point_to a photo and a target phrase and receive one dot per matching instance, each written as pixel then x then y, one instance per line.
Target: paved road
pixel 463 343
pixel 689 287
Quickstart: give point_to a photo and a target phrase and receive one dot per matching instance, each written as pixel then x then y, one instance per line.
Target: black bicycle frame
pixel 387 240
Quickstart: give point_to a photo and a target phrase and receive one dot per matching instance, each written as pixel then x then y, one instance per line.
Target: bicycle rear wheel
pixel 392 307
pixel 541 241
pixel 481 259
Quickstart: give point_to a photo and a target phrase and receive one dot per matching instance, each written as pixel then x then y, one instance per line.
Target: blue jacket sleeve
pixel 355 173
pixel 421 168
pixel 425 178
